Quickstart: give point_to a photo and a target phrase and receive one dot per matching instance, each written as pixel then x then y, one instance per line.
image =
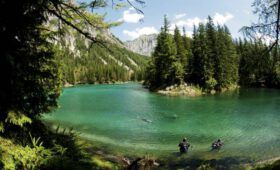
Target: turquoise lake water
pixel 129 119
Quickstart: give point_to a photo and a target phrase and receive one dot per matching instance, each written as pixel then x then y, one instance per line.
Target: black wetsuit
pixel 184 146
pixel 217 145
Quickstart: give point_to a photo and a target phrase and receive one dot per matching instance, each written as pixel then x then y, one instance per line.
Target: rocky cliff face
pixel 143 45
pixel 75 42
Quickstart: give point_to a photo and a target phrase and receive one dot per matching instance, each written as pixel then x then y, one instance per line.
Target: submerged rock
pixel 147 120
pixel 175 116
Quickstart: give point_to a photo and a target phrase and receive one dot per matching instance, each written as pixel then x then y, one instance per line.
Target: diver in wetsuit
pixel 184 146
pixel 217 144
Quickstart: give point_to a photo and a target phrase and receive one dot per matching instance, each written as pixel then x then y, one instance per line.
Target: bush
pixel 210 84
pixel 15 156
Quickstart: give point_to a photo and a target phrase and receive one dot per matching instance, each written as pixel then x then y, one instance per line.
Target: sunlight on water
pixel 127 118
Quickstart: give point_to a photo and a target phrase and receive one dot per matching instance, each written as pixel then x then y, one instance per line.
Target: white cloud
pixel 172 28
pixel 190 22
pixel 222 19
pixel 179 16
pixel 131 16
pixel 140 31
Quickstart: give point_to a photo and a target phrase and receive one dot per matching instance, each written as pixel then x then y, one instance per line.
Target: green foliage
pixel 214 60
pixel 277 75
pixel 211 84
pixel 166 67
pixel 212 63
pixel 257 66
pixel 180 46
pixel 273 166
pixel 188 53
pixel 226 69
pixel 83 62
pixel 268 25
pixel 198 60
pixel 177 72
pixel 31 78
pixel 18 119
pixel 102 164
pixel 98 65
pixel 211 60
pixel 2 129
pixel 44 149
pixel 15 156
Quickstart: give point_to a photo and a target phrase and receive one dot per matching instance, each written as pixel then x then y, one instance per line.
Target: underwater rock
pixel 147 120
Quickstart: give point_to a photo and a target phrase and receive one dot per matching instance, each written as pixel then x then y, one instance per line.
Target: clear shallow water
pixel 115 117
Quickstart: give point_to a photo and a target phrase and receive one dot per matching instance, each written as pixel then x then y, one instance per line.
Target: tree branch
pixel 137 9
pixel 60 17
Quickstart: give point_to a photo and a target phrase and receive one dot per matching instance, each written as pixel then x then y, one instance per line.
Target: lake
pixel 128 119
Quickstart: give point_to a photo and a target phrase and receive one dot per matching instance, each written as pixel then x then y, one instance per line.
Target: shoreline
pixel 192 91
pixel 176 161
pixel 68 85
pixel 107 158
pixel 123 160
pixel 181 90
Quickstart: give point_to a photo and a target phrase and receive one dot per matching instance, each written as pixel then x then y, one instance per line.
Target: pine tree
pixel 30 75
pixel 165 67
pixel 227 66
pixel 188 53
pixel 181 51
pixel 180 65
pixel 198 67
pixel 256 68
pixel 187 42
pixel 212 60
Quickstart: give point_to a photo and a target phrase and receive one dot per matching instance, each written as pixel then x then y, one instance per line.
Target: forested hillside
pixel 86 62
pixel 257 66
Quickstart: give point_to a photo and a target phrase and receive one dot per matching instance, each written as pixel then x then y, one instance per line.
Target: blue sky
pixel 233 13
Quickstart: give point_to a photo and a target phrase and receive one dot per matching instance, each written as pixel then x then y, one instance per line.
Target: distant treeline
pixel 211 59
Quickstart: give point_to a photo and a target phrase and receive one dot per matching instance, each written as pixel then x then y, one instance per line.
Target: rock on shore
pixel 181 90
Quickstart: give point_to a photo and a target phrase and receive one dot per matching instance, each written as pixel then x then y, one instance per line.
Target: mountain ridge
pixel 143 45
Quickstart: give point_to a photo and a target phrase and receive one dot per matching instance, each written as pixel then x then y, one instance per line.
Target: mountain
pixel 144 45
pixel 85 62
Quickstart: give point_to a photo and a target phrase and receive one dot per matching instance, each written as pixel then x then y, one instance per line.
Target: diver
pixel 217 144
pixel 184 146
